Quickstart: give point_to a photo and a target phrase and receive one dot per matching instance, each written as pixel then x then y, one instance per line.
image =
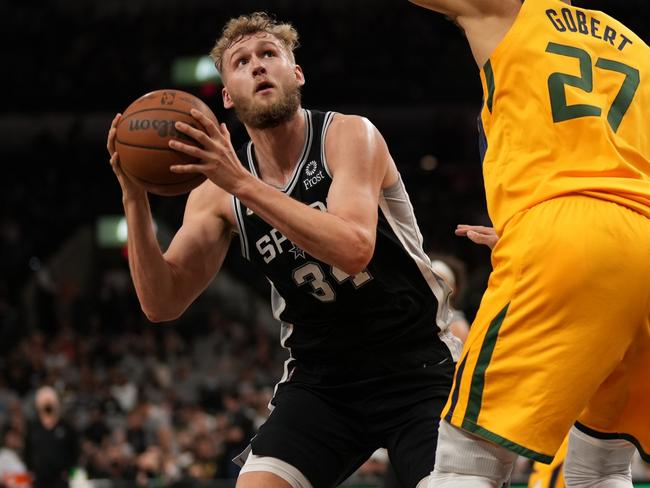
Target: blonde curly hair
pixel 245 25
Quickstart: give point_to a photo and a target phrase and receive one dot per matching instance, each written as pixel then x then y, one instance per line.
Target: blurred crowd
pixel 145 403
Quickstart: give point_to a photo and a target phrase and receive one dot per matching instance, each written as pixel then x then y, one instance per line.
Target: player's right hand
pixel 478 234
pixel 129 187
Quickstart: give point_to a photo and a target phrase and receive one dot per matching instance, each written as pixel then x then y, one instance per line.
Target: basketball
pixel 143 134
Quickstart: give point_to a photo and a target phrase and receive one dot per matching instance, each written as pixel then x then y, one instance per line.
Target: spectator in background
pixel 13 472
pixel 123 390
pixel 136 435
pixel 205 464
pixel 149 467
pixel 239 429
pixel 96 430
pixel 51 445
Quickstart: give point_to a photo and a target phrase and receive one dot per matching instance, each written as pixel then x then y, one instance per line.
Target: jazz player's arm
pixel 344 236
pixel 166 284
pixel 485 22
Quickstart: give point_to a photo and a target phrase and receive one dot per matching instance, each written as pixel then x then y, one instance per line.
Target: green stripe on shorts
pixel 478 377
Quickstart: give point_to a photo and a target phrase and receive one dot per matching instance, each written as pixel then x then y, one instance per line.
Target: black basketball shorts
pixel 326 425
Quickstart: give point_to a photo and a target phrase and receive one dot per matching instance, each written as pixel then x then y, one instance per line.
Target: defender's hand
pixel 478 234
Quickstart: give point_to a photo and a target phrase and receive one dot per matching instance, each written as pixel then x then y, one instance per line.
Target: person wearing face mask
pixel 51 444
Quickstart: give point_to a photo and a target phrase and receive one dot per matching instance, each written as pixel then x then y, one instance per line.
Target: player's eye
pixel 241 61
pixel 269 54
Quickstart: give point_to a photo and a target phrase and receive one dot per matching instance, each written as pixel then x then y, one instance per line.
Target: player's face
pixel 261 81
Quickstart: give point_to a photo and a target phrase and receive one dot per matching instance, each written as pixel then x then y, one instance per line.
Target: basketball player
pixel 562 338
pixel 543 475
pixel 320 209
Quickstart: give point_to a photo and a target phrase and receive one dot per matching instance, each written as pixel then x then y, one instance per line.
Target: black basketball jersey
pixel 392 307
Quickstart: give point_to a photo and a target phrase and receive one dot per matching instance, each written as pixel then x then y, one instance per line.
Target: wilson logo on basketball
pixel 163 127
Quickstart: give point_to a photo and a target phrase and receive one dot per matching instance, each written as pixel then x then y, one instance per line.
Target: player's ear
pixel 227 101
pixel 300 76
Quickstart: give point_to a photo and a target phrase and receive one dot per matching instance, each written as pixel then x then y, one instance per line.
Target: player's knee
pixel 597 463
pixel 424 483
pixel 269 472
pixel 454 480
pixel 262 479
pixel 466 460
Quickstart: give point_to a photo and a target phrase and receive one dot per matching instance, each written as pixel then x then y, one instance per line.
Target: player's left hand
pixel 218 159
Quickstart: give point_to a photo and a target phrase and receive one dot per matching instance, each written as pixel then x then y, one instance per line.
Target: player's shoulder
pixel 355 139
pixel 350 121
pixel 350 127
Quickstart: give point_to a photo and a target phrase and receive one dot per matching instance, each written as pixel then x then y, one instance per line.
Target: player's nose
pixel 257 66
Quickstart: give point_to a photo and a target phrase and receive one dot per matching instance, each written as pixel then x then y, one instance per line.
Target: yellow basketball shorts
pixel 562 333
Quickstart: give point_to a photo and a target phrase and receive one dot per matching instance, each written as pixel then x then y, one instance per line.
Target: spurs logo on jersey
pixel 270 244
pixel 391 304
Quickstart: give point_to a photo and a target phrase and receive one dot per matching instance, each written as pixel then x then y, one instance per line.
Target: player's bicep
pixel 358 157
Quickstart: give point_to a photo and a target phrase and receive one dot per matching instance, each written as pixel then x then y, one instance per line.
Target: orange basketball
pixel 143 134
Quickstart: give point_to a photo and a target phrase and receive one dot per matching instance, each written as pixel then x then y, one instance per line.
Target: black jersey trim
pixel 329 116
pixel 309 136
pixel 239 219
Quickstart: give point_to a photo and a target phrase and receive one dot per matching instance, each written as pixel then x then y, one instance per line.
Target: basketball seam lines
pixel 153 110
pixel 144 147
pixel 160 184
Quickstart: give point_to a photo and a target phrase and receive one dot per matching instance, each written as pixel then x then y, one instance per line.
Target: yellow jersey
pixel 566 111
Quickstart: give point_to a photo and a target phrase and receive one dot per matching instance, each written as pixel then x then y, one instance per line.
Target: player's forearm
pixel 325 236
pixel 152 276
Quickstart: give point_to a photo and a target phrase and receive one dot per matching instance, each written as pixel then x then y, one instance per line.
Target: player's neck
pixel 278 149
